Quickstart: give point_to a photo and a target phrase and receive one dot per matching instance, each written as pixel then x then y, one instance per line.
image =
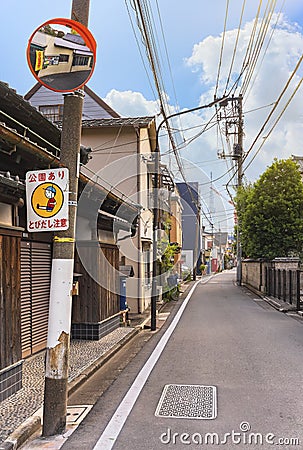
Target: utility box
pixel 122 293
pixel 125 272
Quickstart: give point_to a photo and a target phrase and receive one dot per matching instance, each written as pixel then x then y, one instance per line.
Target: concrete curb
pixel 272 302
pixel 33 423
pixel 22 433
pixel 278 306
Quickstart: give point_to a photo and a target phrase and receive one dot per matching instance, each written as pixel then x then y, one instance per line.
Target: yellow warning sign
pixel 47 199
pixel 47 194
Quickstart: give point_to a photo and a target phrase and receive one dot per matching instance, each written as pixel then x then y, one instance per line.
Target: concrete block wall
pixel 254 271
pixel 251 273
pixel 286 263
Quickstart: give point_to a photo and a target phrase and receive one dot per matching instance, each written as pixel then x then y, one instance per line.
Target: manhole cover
pixel 188 402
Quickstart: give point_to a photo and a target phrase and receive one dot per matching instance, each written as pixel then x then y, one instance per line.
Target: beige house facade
pixel 121 156
pixel 122 149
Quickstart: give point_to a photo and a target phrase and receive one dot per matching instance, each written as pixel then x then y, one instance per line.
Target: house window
pixel 63 58
pixel 52 112
pixel 80 60
pixel 6 214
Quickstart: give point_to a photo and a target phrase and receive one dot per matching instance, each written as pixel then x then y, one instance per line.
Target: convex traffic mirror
pixel 61 54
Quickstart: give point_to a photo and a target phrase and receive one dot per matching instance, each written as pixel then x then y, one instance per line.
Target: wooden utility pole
pixel 57 354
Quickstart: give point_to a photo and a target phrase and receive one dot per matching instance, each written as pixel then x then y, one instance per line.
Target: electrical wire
pixel 168 62
pixel 249 48
pixel 99 149
pixel 275 123
pixel 272 112
pixel 103 180
pixel 222 48
pixel 266 49
pixel 146 30
pixel 235 47
pixel 138 46
pixel 258 44
pixel 276 104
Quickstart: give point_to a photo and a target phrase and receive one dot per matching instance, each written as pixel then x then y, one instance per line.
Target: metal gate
pixel 35 289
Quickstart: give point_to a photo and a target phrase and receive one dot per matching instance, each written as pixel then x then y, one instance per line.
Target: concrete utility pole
pixel 234 126
pixel 57 354
pixel 197 241
pixel 240 176
pixel 155 205
pixel 153 312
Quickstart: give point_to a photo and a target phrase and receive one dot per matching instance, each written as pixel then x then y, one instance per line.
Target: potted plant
pixel 203 268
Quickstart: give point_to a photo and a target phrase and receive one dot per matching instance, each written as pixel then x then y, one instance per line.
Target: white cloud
pixel 131 104
pixel 267 83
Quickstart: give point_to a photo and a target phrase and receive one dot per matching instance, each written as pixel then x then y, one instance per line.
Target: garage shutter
pixel 35 290
pixel 26 312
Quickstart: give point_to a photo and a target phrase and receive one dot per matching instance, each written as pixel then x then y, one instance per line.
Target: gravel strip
pixel 21 405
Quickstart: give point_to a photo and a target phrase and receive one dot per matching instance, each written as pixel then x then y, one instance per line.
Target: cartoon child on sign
pixel 50 193
pixel 47 200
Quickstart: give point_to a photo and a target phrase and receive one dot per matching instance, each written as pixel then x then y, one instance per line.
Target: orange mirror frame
pixel 60 60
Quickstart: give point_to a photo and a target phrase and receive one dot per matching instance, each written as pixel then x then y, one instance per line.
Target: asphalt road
pixel 226 337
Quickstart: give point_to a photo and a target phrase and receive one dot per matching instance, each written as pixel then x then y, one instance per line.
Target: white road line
pixel 115 425
pixel 207 279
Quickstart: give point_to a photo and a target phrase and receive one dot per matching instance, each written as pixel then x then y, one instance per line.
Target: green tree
pixel 271 211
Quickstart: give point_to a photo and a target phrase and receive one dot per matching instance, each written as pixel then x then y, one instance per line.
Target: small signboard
pixel 47 200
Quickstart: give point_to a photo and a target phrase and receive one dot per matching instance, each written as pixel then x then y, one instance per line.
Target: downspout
pixel 137 131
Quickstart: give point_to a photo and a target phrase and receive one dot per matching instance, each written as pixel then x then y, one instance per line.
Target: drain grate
pixel 76 413
pixel 188 401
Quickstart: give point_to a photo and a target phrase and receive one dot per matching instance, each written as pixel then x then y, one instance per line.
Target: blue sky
pixel 119 64
pixel 193 37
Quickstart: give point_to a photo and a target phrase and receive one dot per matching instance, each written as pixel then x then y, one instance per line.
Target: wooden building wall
pixel 97 302
pixel 10 309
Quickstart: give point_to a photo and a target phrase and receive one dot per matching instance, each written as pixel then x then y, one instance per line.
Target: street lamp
pixel 155 205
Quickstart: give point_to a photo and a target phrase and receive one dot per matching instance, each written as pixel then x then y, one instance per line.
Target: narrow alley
pixel 227 339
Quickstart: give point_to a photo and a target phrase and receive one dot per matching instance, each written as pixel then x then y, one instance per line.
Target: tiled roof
pixel 13 182
pixel 118 122
pixel 17 113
